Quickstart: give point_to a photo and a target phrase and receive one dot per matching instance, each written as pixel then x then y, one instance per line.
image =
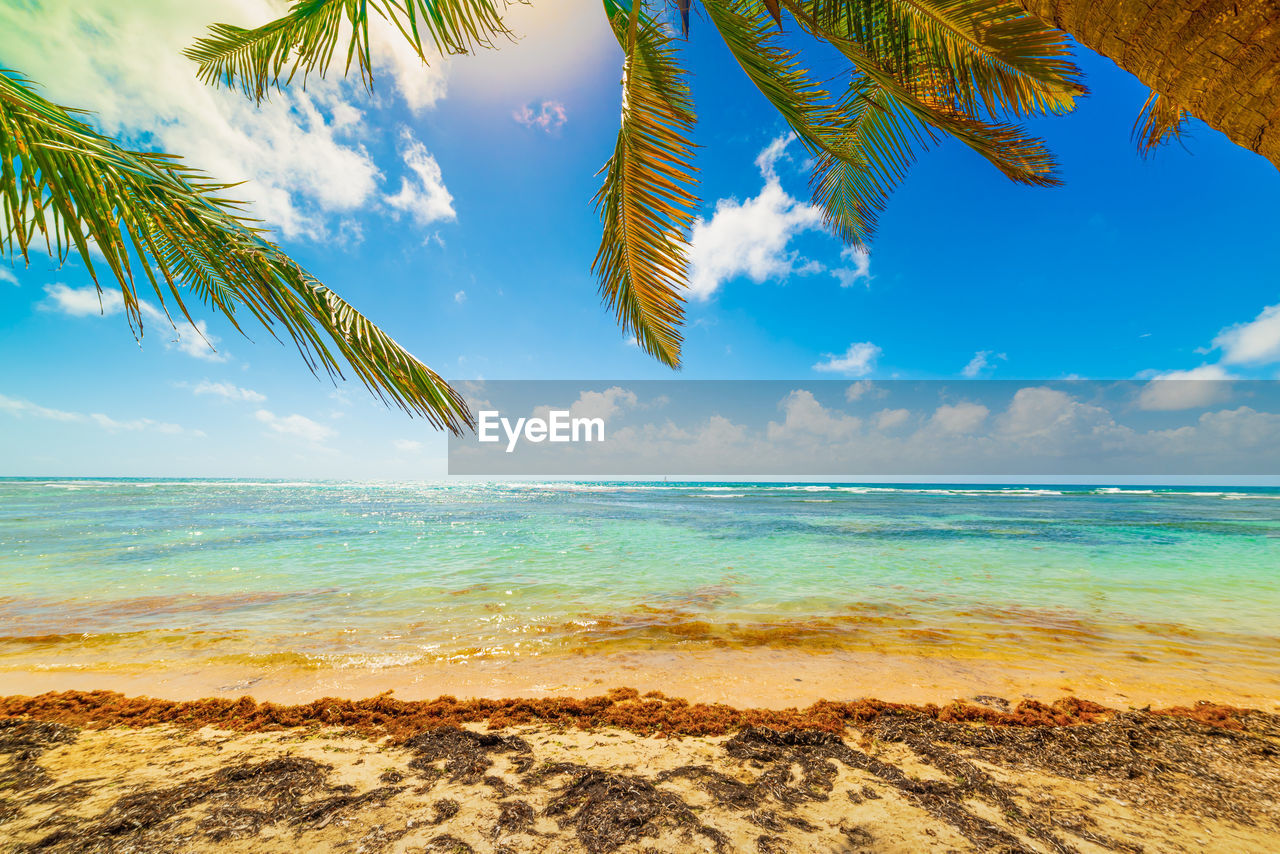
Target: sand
pixel 1072 777
pixel 759 676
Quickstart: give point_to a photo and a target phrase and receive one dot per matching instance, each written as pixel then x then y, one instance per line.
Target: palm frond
pixel 749 31
pixel 853 173
pixel 62 181
pixel 874 147
pixel 988 54
pixel 1159 122
pixel 646 202
pixel 306 39
pixel 1020 157
pixel 863 145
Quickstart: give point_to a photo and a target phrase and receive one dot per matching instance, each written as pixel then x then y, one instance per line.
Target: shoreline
pixel 771 678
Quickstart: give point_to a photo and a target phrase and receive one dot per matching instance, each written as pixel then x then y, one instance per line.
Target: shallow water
pixel 181 575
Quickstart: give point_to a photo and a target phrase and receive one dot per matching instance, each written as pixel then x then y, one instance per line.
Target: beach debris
pixel 514 816
pixel 235 802
pixel 23 742
pixel 1119 781
pixel 466 754
pixel 446 844
pixel 609 810
pixel 443 810
pixel 623 708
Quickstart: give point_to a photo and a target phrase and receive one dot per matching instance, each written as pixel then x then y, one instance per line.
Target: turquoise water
pixel 110 572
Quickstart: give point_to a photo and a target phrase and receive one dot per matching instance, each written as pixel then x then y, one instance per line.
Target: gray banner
pixel 682 428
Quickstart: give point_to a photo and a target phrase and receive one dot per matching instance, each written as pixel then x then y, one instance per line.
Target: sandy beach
pixel 623 772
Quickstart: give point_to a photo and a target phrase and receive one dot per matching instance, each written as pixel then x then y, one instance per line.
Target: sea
pixel 185 575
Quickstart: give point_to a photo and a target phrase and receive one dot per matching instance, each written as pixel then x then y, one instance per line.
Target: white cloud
pixel 550 116
pixel 196 341
pixel 15 406
pixel 804 415
pixel 7 275
pixel 1193 389
pixel 460 297
pixel 25 408
pixel 889 419
pixel 230 391
pixel 981 361
pixel 299 152
pixel 81 302
pixel 750 238
pixel 858 389
pixel 858 360
pixel 1255 342
pixel 859 272
pixel 296 425
pixel 424 195
pixel 420 85
pixel 407 446
pixel 597 404
pixel 962 417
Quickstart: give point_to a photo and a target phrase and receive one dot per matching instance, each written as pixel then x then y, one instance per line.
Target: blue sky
pixel 453 208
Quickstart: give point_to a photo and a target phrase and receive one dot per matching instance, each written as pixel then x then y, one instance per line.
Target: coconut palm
pixel 914 72
pixel 1219 62
pixel 157 225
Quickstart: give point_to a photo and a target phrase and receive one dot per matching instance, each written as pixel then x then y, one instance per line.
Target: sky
pixel 453 207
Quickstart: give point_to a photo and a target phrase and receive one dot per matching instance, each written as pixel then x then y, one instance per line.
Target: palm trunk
pixel 1218 60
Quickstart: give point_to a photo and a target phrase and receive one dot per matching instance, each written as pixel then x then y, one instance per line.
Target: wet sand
pixel 764 677
pixel 565 776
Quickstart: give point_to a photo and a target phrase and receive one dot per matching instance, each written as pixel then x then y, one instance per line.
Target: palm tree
pixel 146 216
pixel 1219 62
pixel 916 70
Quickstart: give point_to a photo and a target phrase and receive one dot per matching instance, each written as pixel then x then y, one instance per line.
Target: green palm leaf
pixel 853 178
pixel 64 184
pixel 646 203
pixel 750 33
pixel 987 54
pixel 864 145
pixel 306 39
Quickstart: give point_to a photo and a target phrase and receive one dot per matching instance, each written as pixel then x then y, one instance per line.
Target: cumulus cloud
pixel 298 426
pixel 891 419
pixel 81 302
pixel 423 195
pixel 549 116
pixel 460 297
pixel 1193 389
pixel 1254 343
pixel 859 271
pixel 805 416
pixel 597 404
pixel 858 360
pixel 962 417
pixel 858 390
pixel 750 238
pixel 299 152
pixel 194 340
pixel 229 391
pixel 407 446
pixel 25 408
pixel 7 275
pixel 980 362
